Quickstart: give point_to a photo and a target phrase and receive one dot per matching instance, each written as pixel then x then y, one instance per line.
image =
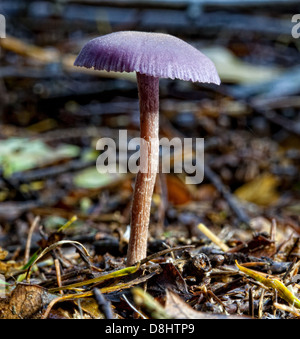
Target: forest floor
pixel 227 247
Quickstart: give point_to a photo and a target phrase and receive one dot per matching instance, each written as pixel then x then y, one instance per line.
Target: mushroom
pixel 151 56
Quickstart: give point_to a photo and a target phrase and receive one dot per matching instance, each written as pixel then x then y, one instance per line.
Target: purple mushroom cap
pixel 154 54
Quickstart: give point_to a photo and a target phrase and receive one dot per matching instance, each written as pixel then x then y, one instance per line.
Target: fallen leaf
pixel 177 308
pixel 90 306
pixel 261 190
pixel 233 69
pixel 90 178
pixel 25 302
pixel 20 154
pixel 8 266
pixel 170 278
pixel 259 246
pixel 178 194
pixel 3 254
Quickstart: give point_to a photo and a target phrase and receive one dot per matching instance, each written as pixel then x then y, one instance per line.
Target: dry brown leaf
pixel 177 308
pixel 6 267
pixel 90 306
pixel 261 190
pixel 169 279
pixel 178 194
pixel 9 267
pixel 25 302
pixel 3 254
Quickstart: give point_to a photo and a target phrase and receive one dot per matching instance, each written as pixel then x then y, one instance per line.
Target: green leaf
pixel 90 178
pixel 21 154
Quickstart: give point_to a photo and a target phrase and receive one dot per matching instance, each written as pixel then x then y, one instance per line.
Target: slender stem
pixel 149 158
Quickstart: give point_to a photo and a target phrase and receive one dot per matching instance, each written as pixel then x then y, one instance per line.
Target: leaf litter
pixel 228 248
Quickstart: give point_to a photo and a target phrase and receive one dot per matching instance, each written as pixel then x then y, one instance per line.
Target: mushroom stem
pixel 148 88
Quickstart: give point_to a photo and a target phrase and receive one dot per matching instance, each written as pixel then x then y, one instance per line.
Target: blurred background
pixel 52 114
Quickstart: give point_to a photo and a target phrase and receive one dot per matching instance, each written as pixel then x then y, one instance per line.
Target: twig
pixel 135 310
pixel 280 120
pixel 58 274
pixel 28 242
pixel 273 230
pixel 11 210
pixel 103 304
pixel 286 308
pixel 163 252
pixel 251 303
pixel 216 181
pixel 213 237
pixel 261 303
pixel 49 172
pixel 232 202
pixel 277 102
pixel 45 56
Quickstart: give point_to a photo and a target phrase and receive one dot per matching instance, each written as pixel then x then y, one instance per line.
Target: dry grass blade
pixel 149 304
pixel 86 294
pixel 286 308
pixel 116 274
pixel 273 283
pixel 213 237
pixel 52 247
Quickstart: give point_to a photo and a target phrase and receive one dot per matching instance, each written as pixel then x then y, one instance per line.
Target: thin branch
pixel 28 242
